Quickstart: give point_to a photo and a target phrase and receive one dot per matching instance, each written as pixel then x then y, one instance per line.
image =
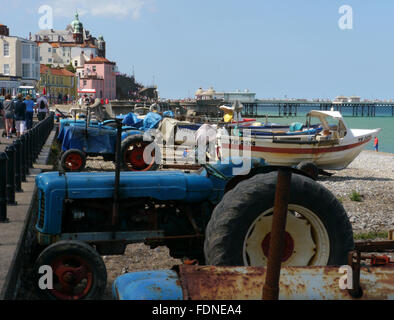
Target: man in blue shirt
pixel 29 112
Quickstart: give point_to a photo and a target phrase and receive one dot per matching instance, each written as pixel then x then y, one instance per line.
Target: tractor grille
pixel 41 209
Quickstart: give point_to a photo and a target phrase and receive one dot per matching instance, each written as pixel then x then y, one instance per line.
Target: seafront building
pixel 19 62
pixel 59 47
pixel 57 83
pixel 230 96
pixel 98 75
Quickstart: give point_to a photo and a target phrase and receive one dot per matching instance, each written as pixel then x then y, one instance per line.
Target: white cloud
pixel 105 8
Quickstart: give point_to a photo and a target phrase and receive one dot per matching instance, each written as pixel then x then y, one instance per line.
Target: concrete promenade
pixel 12 233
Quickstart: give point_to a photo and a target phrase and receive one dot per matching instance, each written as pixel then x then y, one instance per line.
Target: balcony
pixel 92 75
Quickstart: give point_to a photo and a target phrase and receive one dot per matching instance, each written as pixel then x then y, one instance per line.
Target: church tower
pixel 77 27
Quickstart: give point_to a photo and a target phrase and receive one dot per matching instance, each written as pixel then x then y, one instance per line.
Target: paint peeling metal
pixel 302 283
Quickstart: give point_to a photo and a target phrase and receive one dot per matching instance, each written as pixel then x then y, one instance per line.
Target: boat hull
pixel 323 155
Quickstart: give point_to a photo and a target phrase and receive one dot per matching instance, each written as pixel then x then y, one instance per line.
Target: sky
pixel 276 48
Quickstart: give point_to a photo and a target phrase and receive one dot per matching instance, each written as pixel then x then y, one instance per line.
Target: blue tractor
pixel 212 215
pixel 84 138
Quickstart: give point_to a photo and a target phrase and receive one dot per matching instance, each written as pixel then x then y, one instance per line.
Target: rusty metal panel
pixel 296 283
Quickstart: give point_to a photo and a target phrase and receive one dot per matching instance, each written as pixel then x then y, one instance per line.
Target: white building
pixel 232 96
pixel 19 63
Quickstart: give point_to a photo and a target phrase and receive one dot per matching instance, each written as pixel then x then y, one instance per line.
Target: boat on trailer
pixel 332 148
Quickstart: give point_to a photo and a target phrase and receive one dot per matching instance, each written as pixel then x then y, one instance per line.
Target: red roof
pixel 56 71
pixel 98 60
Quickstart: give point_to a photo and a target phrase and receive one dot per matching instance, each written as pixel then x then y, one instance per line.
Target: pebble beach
pixel 371 175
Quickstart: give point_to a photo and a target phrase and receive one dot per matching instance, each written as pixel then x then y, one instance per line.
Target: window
pixel 6 69
pixel 49 59
pixel 40 58
pixel 54 50
pixel 76 63
pixel 49 49
pixel 84 82
pixel 6 49
pixel 26 70
pixel 25 51
pixel 94 68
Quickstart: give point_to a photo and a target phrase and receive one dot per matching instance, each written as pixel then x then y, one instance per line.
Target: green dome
pixel 76 24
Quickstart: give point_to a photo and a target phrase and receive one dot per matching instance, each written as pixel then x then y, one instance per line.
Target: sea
pixel 383 120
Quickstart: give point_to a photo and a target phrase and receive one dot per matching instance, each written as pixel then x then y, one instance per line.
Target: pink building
pixel 99 74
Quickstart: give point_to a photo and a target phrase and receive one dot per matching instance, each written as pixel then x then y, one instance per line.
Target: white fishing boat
pixel 332 148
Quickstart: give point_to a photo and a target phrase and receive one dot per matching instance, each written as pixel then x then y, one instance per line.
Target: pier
pixel 287 108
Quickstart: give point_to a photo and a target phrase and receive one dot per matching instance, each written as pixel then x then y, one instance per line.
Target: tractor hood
pixel 53 189
pixel 161 185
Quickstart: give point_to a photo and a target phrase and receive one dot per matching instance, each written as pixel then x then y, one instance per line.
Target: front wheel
pixel 132 153
pixel 318 231
pixel 78 272
pixel 73 160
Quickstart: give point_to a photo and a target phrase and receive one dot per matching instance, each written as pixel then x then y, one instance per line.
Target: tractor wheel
pixel 79 272
pixel 132 151
pixel 309 168
pixel 318 231
pixel 73 160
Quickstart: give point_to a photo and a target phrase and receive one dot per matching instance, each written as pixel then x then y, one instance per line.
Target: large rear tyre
pixel 79 272
pixel 73 160
pixel 318 231
pixel 132 153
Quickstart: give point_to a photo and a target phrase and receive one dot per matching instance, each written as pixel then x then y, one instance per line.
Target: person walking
pixel 8 106
pixel 2 115
pixel 42 108
pixel 20 116
pixel 29 112
pixel 376 144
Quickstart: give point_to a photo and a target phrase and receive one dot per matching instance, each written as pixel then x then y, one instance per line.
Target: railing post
pixel 18 166
pixel 3 187
pixel 30 148
pixel 10 151
pixel 35 144
pixel 25 166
